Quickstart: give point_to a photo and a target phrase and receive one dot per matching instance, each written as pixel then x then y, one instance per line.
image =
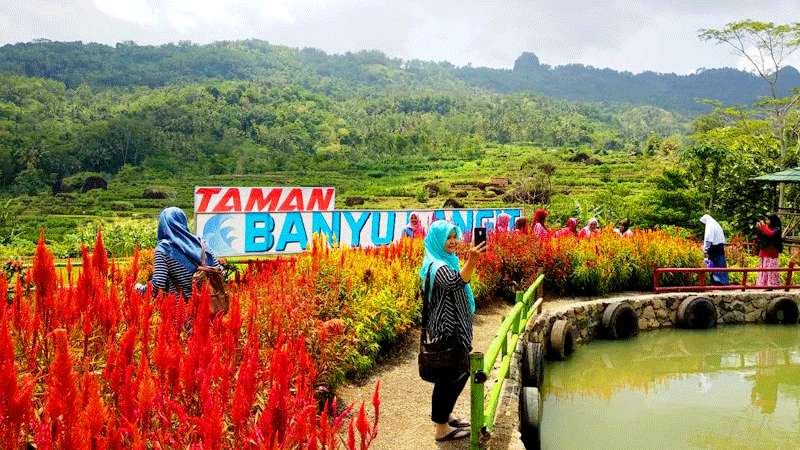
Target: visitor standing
pixel 624 228
pixel 448 305
pixel 592 227
pixel 770 245
pixel 714 248
pixel 503 222
pixel 413 228
pixel 521 225
pixel 539 226
pixel 177 255
pixel 570 229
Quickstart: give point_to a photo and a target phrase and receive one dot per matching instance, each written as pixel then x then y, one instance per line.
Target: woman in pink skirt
pixel 770 244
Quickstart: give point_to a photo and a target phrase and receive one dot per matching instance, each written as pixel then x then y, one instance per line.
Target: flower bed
pixel 88 362
pixel 601 264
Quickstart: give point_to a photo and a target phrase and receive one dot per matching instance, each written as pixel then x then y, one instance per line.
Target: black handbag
pixel 438 360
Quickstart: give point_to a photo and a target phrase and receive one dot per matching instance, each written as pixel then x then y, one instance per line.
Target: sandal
pixel 458 433
pixel 458 423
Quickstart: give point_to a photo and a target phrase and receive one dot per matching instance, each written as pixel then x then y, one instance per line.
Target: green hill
pixel 128 64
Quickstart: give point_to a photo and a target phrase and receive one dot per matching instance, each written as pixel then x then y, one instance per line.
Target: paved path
pixel 406 399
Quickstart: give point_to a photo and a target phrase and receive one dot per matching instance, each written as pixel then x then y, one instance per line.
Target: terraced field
pixel 608 187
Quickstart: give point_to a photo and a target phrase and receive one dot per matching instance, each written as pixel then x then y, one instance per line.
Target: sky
pixel 632 35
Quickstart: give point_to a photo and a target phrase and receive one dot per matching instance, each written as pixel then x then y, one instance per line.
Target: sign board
pixel 275 232
pixel 237 200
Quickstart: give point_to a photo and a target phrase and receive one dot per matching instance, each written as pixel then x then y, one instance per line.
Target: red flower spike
pixel 62 394
pixel 351 437
pixel 363 426
pixel 15 400
pixel 99 257
pixel 376 405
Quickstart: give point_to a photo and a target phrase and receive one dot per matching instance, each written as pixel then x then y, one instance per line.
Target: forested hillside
pixel 49 132
pixel 666 90
pixel 128 64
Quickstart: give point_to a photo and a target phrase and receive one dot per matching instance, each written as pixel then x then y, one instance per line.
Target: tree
pixel 765 46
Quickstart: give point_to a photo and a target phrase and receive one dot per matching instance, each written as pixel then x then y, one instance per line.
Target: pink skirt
pixel 769 278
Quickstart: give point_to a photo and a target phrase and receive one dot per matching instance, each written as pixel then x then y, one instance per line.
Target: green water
pixel 727 388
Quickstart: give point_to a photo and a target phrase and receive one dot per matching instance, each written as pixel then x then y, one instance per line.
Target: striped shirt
pixel 172 277
pixel 449 313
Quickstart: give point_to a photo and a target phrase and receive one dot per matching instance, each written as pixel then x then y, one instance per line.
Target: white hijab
pixel 714 233
pixel 588 228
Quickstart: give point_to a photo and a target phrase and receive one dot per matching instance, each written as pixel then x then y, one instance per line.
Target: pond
pixel 723 388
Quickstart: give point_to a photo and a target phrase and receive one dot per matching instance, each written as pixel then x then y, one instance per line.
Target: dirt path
pixel 406 399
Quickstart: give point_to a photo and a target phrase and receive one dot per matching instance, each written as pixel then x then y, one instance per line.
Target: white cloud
pixel 633 35
pixel 276 9
pixel 137 11
pixel 187 16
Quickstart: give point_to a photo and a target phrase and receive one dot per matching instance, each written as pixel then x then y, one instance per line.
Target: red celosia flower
pixel 62 394
pixel 99 256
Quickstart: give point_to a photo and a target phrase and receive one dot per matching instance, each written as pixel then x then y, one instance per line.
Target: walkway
pixel 405 399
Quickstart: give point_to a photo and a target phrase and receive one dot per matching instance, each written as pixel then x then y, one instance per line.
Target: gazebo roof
pixel 784 176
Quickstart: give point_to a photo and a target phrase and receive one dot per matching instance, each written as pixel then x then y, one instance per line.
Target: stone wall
pixel 655 311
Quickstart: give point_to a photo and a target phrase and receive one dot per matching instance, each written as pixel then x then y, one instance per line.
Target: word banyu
pixel 291 232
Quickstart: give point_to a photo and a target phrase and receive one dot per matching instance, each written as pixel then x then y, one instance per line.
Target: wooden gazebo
pixel 790 216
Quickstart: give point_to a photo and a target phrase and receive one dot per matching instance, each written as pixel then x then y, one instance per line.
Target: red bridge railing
pixel 707 286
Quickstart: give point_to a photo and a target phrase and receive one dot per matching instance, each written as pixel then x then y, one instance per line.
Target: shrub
pixel 605 263
pixel 121 206
pixel 121 236
pixel 157 193
pixel 354 201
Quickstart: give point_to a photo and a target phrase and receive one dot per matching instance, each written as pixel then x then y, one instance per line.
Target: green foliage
pixel 119 237
pixel 9 230
pixel 30 181
pixel 673 201
pixel 721 163
pixel 75 182
pixel 765 45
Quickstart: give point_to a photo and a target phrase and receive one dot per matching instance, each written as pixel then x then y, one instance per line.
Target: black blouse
pixel 449 314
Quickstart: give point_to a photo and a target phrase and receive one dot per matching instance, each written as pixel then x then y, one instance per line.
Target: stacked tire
pixel 530 417
pixel 530 400
pixel 561 344
pixel 532 365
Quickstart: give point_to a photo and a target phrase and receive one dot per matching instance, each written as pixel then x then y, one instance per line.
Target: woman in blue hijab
pixel 449 306
pixel 177 254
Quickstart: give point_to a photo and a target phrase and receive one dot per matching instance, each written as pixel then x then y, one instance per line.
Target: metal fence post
pixel 523 314
pixel 477 378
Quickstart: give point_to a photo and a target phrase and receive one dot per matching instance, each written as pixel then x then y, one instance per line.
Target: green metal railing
pixel 527 305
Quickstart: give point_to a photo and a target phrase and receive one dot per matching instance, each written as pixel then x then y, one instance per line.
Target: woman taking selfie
pixel 770 245
pixel 448 305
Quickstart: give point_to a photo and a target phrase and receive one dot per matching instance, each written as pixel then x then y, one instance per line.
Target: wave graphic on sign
pixel 219 238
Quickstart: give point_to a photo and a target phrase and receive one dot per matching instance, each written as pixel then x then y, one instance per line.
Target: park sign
pixel 276 232
pixel 238 200
pixel 215 206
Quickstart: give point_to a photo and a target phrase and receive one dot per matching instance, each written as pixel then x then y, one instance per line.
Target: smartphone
pixel 478 235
